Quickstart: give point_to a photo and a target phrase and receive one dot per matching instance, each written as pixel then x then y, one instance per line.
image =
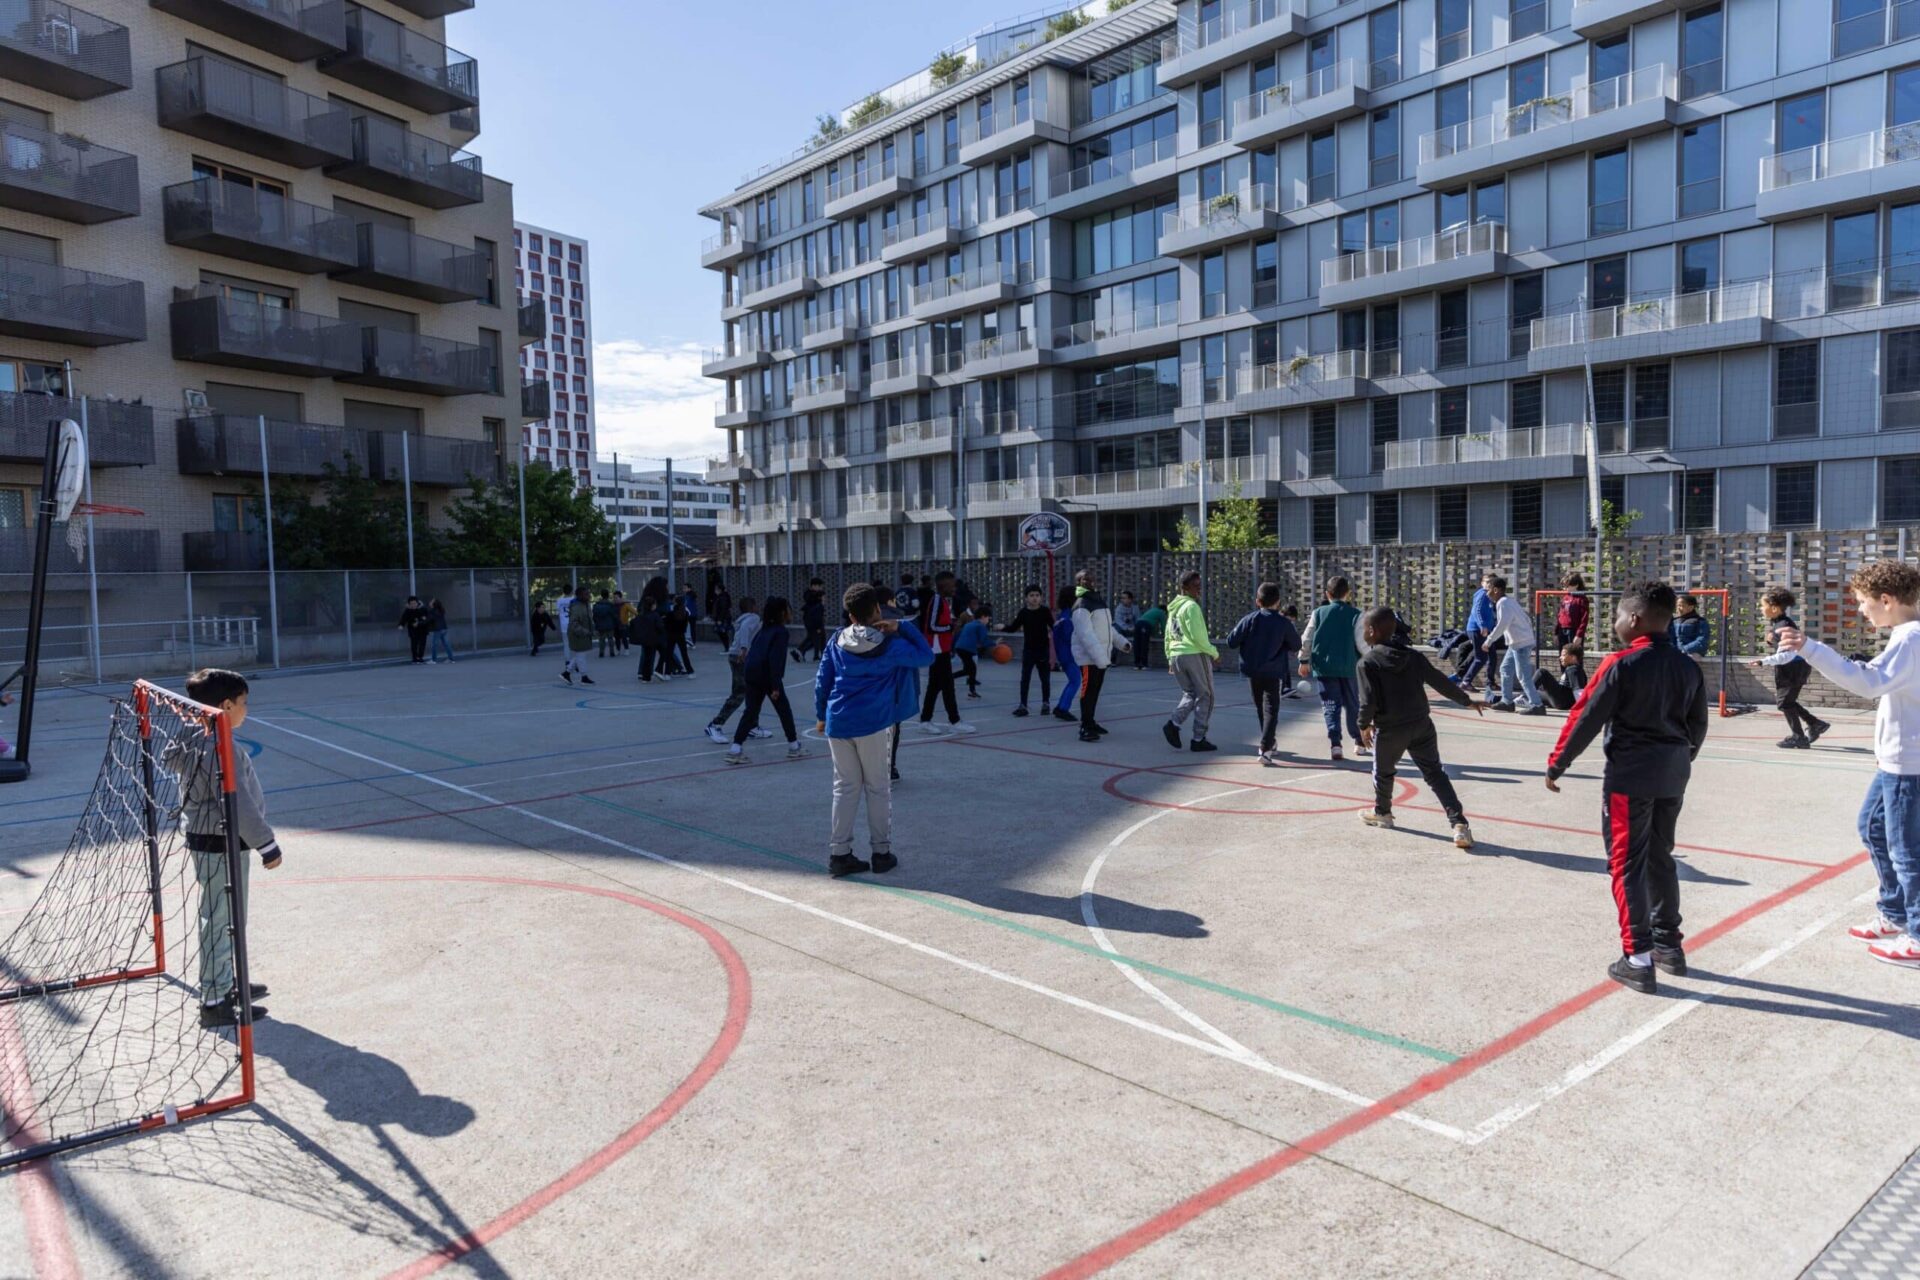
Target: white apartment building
pixel 637 499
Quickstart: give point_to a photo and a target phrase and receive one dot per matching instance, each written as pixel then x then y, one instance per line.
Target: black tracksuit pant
pixel 1030 662
pixel 1266 705
pixel 1646 885
pixel 1094 677
pixel 1788 681
pixel 1421 744
pixel 940 686
pixel 750 718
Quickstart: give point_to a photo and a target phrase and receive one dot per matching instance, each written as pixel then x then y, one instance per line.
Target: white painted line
pixel 1690 1000
pixel 921 948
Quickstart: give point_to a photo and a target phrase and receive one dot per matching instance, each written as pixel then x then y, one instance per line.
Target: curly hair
pixel 1894 578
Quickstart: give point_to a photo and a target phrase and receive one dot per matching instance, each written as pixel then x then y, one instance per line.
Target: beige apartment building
pixel 219 212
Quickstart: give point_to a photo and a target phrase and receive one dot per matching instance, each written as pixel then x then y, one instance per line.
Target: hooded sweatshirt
pixel 1187 629
pixel 1394 679
pixel 865 684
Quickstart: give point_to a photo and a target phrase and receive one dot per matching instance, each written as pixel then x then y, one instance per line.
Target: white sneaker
pixel 758 732
pixel 1462 836
pixel 929 728
pixel 961 726
pixel 1903 951
pixel 1362 752
pixel 663 677
pixel 796 750
pixel 1877 929
pixel 716 734
pixel 735 755
pixel 1384 821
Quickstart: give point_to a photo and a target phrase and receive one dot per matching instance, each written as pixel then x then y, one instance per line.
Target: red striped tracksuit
pixel 1652 703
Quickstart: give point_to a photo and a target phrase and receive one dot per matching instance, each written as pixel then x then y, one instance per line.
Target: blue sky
pixel 616 121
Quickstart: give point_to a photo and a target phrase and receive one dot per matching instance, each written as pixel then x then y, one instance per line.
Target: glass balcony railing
pixel 926 431
pixel 984 276
pixel 1745 300
pixel 1235 17
pixel 1857 154
pixel 1227 208
pixel 1143 320
pixel 1107 168
pixel 1011 343
pixel 1567 440
pixel 1549 112
pixel 924 224
pixel 1442 246
pixel 854 183
pixel 1296 94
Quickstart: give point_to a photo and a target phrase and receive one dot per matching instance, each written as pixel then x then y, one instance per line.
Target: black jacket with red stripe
pixel 1652 702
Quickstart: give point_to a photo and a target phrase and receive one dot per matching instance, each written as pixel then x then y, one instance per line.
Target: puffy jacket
pixel 766 664
pixel 1093 631
pixel 1691 635
pixel 1187 629
pixel 973 638
pixel 1652 703
pixel 863 675
pixel 1267 642
pixel 1394 679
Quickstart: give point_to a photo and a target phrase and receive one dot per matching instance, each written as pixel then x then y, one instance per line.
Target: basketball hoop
pixel 69 482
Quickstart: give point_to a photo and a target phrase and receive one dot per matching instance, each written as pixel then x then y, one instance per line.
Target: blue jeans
pixel 439 643
pixel 1516 676
pixel 1337 692
pixel 1890 826
pixel 1480 659
pixel 1069 684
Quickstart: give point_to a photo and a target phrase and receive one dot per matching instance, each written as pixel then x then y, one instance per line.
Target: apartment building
pixel 637 499
pixel 1391 267
pixel 551 271
pixel 240 237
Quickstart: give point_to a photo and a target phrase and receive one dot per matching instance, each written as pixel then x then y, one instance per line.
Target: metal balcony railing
pixel 1565 440
pixel 1297 93
pixel 390 158
pixel 392 59
pixel 729 237
pixel 856 182
pixel 228 444
pixel 532 321
pixel 1441 246
pixel 435 461
pixel 1550 112
pixel 235 106
pixel 64 50
pixel 1235 17
pixel 1744 300
pixel 298 30
pixel 119 434
pixel 1229 207
pixel 225 551
pixel 1857 154
pixel 213 328
pixel 976 126
pixel 983 276
pixel 61 304
pixel 417 266
pixel 1166 315
pixel 536 400
pixel 925 224
pixel 1109 167
pixel 770 277
pixel 413 362
pixel 257 225
pixel 837 318
pixel 747 344
pixel 61 176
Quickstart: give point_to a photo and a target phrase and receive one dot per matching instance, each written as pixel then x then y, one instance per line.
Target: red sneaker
pixel 1877 929
pixel 1904 952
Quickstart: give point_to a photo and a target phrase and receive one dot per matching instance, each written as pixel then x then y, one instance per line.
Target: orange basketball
pixel 1002 653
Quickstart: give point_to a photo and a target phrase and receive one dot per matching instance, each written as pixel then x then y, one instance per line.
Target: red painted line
pixel 1170 1220
pixel 1540 724
pixel 1582 831
pixel 49 1245
pixel 739 1004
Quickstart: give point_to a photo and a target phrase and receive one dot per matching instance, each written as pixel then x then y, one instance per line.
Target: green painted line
pixel 1014 926
pixel 398 742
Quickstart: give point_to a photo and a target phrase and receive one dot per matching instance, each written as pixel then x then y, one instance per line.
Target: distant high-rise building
pixel 550 272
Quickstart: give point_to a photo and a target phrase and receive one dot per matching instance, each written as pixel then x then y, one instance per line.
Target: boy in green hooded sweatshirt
pixel 1191 657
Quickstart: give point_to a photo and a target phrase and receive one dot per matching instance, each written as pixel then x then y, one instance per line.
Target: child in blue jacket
pixel 864 687
pixel 1689 630
pixel 1063 653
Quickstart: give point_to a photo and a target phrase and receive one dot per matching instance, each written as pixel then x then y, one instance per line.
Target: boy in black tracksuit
pixel 1652 702
pixel 1034 622
pixel 1269 645
pixel 1396 719
pixel 1789 678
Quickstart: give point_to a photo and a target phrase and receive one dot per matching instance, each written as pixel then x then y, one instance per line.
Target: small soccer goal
pixel 103 980
pixel 1711 604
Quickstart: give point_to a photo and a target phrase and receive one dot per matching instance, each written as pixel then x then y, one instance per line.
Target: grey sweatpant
pixel 1193 672
pixel 216 922
pixel 861 766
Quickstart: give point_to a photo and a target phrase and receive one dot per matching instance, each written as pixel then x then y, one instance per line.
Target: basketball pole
pixel 18 769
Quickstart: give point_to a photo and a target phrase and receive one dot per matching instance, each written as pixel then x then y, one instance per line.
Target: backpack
pixel 579 628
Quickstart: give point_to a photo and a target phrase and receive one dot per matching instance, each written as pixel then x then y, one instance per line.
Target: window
pixel 1701 35
pixel 1802 123
pixel 1525 402
pixel 1609 59
pixel 1796 391
pixel 1900 402
pixel 1526 84
pixel 1266 273
pixel 1383 356
pixel 1900 490
pixel 1610 409
pixel 1529 304
pixel 1452 338
pixel 1385 431
pixel 1700 169
pixel 1213 107
pixel 236 513
pixel 1523 511
pixel 1322 179
pixel 1526 18
pixel 1697 492
pixel 1607 283
pixel 1858 25
pixel 1453 30
pixel 1213 285
pixel 1607 194
pixel 1449 514
pixel 1323 441
pixel 1903 253
pixel 1230 439
pixel 1383 146
pixel 1700 265
pixel 1796 496
pixel 1326 521
pixel 1450 412
pixel 1854 278
pixel 1385 525
pixel 1383 38
pixel 1613 494
pixel 1652 407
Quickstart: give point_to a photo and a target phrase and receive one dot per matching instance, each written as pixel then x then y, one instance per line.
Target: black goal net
pixel 135 930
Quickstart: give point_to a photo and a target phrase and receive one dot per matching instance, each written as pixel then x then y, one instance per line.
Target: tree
pixel 1115 6
pixel 345 520
pixel 947 68
pixel 1064 23
pixel 1233 524
pixel 871 108
pixel 826 128
pixel 563 525
pixel 1614 526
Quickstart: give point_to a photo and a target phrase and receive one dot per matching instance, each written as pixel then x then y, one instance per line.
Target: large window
pixel 1700 265
pixel 1854 277
pixel 1452 339
pixel 1607 282
pixel 1128 453
pixel 1449 514
pixel 1385 431
pixel 1118 238
pixel 1903 253
pixel 1266 273
pixel 1232 438
pixel 1322 176
pixel 1802 123
pixel 1213 285
pixel 1213 112
pixel 1796 496
pixel 1529 304
pixel 1652 407
pixel 1113 153
pixel 1900 398
pixel 1697 493
pixel 1323 440
pixel 1386 518
pixel 1326 521
pixel 1858 25
pixel 1453 31
pixel 1523 510
pixel 1702 37
pixel 1383 146
pixel 1607 194
pixel 1526 18
pixel 1525 404
pixel 1900 490
pixel 1700 168
pixel 1124 392
pixel 1383 38
pixel 1124 78
pixel 1450 412
pixel 1796 391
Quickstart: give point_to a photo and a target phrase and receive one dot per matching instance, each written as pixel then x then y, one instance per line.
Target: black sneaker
pixel 567 676
pixel 1097 730
pixel 1171 732
pixel 1793 742
pixel 1815 729
pixel 225 1015
pixel 845 864
pixel 258 990
pixel 884 862
pixel 1068 716
pixel 1020 711
pixel 1628 974
pixel 586 679
pixel 1672 960
pixel 1201 744
pixel 1089 737
pixel 896 775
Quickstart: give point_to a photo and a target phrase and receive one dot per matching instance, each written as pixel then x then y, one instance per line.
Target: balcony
pixel 415 266
pixel 776 285
pixel 1848 173
pixel 532 320
pixel 297 30
pixel 908 373
pixel 729 469
pixel 393 60
pixel 1250 213
pixel 1593 19
pixel 64 50
pixel 985 285
pixel 228 551
pixel 1111 179
pixel 119 434
pixel 725 248
pixel 437 462
pixel 984 139
pixel 731 522
pixel 1285 384
pixel 216 329
pixel 257 226
pixel 59 176
pixel 1244 30
pixel 1530 453
pixel 829 329
pixel 926 437
pixel 926 506
pixel 1734 315
pixel 60 304
pixel 402 361
pixel 229 445
pixel 434 8
pixel 393 160
pixel 827 391
pixel 536 401
pixel 865 188
pixel 1589 117
pixel 1175 484
pixel 1329 94
pixel 225 103
pixel 1118 334
pixel 874 508
pixel 730 416
pixel 917 237
pixel 722 362
pixel 1016 497
pixel 1477 251
pixel 1008 352
pixel 113 550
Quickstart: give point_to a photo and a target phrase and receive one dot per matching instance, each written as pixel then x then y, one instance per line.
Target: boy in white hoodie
pixel 1888 593
pixel 1510 623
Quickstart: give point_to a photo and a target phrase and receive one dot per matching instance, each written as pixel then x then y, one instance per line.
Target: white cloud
pixel 653 403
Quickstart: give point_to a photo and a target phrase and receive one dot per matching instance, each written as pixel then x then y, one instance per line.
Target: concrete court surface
pixel 556 992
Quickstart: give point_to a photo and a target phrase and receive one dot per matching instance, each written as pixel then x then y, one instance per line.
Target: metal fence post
pixel 346 595
pixel 1687 565
pixel 406 480
pixel 193 656
pixel 93 560
pixel 1903 543
pixel 273 578
pixel 473 609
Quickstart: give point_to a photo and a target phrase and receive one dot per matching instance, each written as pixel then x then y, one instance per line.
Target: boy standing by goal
pixel 1888 593
pixel 1652 702
pixel 203 812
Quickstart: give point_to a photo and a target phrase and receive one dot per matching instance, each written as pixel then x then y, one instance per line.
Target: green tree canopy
pixel 1233 524
pixel 563 525
pixel 345 520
